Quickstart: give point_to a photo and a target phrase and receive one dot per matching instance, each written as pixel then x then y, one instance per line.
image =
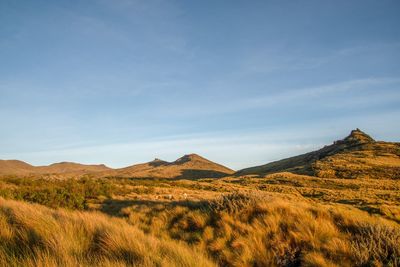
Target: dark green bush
pixel 72 194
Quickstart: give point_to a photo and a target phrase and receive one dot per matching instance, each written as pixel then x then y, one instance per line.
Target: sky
pixel 242 83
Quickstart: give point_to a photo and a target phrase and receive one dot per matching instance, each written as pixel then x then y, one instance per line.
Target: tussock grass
pixel 260 230
pixel 277 220
pixel 381 197
pixel 32 235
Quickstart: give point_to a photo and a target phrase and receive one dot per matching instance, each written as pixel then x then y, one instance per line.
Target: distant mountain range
pixel 17 167
pixel 189 167
pixel 356 156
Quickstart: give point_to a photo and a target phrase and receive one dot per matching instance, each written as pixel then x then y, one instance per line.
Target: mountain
pixel 189 166
pixel 16 167
pixel 72 167
pixel 356 156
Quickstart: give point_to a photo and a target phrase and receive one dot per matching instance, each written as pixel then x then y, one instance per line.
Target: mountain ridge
pixel 190 166
pixel 357 155
pixel 18 167
pixel 187 166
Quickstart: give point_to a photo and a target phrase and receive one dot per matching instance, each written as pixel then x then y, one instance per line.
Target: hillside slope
pixel 16 167
pixel 190 166
pixel 356 156
pixel 72 167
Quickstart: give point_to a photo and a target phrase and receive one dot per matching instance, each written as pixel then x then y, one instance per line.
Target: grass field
pixel 281 219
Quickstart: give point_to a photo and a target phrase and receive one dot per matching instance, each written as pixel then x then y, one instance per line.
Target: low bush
pixel 72 194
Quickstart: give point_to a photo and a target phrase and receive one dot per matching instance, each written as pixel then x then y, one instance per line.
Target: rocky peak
pixel 359 137
pixel 189 157
pixel 158 162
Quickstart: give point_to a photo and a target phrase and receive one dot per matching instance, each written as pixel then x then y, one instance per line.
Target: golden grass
pixel 32 235
pixel 375 196
pixel 261 230
pixel 277 220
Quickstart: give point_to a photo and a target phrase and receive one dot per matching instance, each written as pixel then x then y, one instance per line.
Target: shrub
pixel 72 194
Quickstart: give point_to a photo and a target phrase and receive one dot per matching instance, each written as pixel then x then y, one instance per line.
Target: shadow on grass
pixel 114 206
pixel 188 174
pixel 193 174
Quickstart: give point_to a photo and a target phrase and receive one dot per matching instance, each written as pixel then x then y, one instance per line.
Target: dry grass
pixel 277 220
pixel 282 224
pixel 32 235
pixel 375 196
pixel 260 230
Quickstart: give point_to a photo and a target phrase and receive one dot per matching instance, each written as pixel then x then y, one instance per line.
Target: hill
pixel 190 166
pixel 17 167
pixel 72 167
pixel 356 156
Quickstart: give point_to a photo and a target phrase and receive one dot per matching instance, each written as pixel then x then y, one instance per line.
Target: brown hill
pixel 72 167
pixel 189 166
pixel 356 156
pixel 16 167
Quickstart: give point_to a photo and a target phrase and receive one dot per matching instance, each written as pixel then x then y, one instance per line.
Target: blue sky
pixel 240 82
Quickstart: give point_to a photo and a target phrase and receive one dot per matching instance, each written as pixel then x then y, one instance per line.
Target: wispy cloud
pixel 294 95
pixel 329 93
pixel 275 59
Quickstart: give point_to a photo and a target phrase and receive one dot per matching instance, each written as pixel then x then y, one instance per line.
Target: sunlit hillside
pixel 356 156
pixel 189 167
pixel 61 169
